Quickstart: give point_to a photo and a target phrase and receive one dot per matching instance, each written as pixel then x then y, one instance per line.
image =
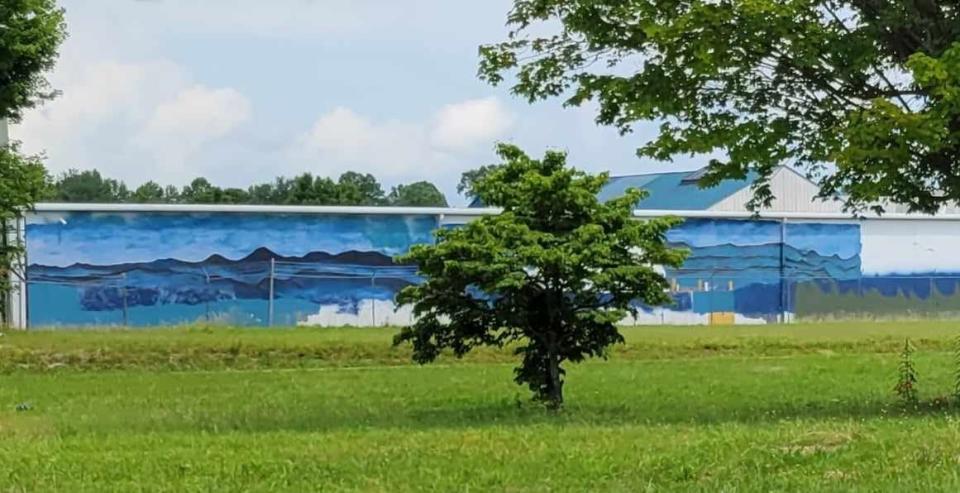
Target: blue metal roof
pixel 669 191
pixel 672 191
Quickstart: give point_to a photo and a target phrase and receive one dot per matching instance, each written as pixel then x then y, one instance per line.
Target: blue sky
pixel 241 91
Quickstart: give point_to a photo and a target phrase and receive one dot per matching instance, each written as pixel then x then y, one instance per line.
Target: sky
pixel 243 91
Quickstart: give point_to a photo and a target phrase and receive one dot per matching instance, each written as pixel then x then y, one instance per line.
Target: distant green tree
pixel 149 192
pixel 262 193
pixel 89 186
pixel 418 194
pixel 171 194
pixel 359 189
pixel 234 196
pixel 30 34
pixel 469 178
pixel 200 191
pixel 306 189
pixel 554 273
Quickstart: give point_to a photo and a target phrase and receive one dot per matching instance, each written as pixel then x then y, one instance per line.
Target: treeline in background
pixel 351 188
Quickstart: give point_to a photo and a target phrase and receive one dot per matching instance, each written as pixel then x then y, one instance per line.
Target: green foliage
pixel 30 33
pixel 359 189
pixel 956 371
pixel 870 87
pixel 808 421
pixel 306 189
pixel 555 272
pixel 88 186
pixel 22 183
pixel 469 179
pixel 149 192
pixel 418 194
pixel 907 376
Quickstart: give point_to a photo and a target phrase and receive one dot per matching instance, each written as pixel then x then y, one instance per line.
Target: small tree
pixel 907 376
pixel 23 182
pixel 554 272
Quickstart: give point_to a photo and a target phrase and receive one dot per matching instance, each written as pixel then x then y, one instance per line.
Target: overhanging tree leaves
pixel 30 33
pixel 864 95
pixel 554 273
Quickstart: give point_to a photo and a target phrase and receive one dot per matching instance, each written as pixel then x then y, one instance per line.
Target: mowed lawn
pixel 795 408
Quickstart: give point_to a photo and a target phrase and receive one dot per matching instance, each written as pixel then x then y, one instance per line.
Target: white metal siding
pixel 792 193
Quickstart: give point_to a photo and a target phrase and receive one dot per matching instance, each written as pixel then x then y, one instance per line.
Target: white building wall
pixel 792 192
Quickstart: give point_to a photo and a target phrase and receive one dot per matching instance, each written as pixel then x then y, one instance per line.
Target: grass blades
pixel 800 408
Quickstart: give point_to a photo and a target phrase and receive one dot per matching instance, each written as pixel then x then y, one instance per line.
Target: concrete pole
pixel 8 301
pixel 4 133
pixel 16 301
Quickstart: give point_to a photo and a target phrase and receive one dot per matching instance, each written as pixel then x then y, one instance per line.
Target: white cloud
pixel 199 113
pixel 465 125
pixel 343 139
pixel 122 117
pixel 96 93
pixel 196 116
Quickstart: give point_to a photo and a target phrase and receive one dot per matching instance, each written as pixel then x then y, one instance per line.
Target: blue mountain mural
pixel 317 277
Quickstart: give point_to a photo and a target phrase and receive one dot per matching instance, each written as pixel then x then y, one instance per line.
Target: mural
pixel 164 268
pixel 171 268
pixel 742 271
pixel 909 269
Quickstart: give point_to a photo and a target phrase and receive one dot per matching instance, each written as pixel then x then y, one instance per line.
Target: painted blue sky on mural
pixel 738 265
pixel 61 239
pixel 168 268
pixel 87 268
pixel 842 240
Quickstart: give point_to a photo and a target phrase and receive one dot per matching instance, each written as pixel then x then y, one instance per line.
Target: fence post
pixel 373 301
pixel 123 292
pixel 206 303
pixel 783 271
pixel 273 266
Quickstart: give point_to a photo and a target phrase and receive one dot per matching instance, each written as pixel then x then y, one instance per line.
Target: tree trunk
pixel 554 382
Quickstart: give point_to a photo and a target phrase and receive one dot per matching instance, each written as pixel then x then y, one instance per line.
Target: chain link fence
pixel 274 293
pixel 267 293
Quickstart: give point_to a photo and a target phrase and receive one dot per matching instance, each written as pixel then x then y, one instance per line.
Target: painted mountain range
pixel 342 279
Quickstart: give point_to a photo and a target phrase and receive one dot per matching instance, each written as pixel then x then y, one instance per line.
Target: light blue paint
pixel 174 268
pixel 669 191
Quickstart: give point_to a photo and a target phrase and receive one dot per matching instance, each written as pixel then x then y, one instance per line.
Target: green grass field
pixel 796 408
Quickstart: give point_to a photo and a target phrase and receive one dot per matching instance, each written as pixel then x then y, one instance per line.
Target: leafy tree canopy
pixel 554 273
pixel 418 194
pixel 469 179
pixel 30 33
pixel 351 189
pixel 88 186
pixel 862 94
pixel 359 189
pixel 149 192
